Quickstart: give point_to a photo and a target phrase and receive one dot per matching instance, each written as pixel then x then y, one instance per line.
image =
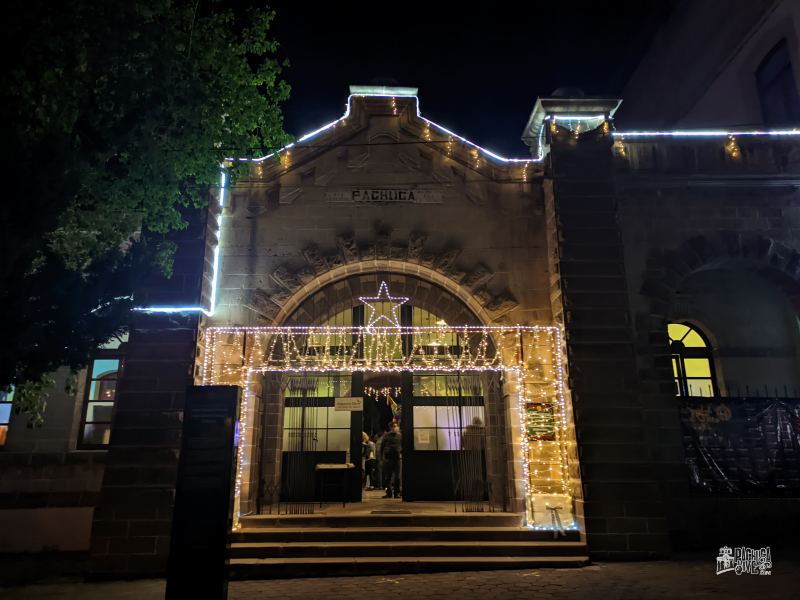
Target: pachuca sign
pixel 385 194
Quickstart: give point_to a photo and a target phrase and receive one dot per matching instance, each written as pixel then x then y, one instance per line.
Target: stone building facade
pixel 616 239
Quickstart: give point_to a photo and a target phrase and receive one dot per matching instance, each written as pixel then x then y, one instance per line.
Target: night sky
pixel 479 68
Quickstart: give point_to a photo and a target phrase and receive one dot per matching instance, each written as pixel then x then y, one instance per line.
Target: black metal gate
pixel 444 457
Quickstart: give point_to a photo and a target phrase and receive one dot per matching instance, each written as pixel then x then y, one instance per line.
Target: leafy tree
pixel 117 115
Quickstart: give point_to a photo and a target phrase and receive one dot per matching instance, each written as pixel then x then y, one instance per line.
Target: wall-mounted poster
pixel 540 421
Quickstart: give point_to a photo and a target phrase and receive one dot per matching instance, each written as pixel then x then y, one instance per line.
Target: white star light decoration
pixel 374 316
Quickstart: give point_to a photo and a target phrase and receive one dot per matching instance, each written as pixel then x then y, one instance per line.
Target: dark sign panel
pixel 202 520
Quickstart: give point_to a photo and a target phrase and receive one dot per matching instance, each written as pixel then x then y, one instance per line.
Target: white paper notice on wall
pixel 353 403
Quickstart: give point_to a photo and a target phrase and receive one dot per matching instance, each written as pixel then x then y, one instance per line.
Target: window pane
pixel 452 386
pixel 341 387
pixel 700 387
pixel 341 319
pixel 470 413
pixel 338 418
pixel 99 411
pixel 311 440
pixel 675 366
pixel 676 331
pixel 3 435
pixel 423 318
pixel 424 416
pixel 291 439
pixel 693 340
pixel 291 416
pixel 105 368
pixel 96 435
pixel 316 416
pixel 5 412
pixel 425 385
pixel 447 416
pixel 104 390
pixel 316 440
pixel 338 440
pixel 424 439
pixel 471 385
pixel 697 367
pixel 449 439
pixel 298 387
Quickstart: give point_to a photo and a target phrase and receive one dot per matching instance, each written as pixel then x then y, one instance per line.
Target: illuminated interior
pixel 692 367
pixel 528 356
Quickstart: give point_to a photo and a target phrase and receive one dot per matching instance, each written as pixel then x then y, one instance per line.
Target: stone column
pixel 132 521
pixel 271 439
pixel 622 492
pixel 497 439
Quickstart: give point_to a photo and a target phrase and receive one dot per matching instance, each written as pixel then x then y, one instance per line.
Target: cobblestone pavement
pixel 605 581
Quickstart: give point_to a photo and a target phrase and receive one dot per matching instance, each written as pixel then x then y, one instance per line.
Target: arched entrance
pixel 453 378
pixel 433 407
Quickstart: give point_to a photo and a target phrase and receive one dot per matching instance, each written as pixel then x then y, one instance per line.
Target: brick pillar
pixel 622 493
pixel 131 527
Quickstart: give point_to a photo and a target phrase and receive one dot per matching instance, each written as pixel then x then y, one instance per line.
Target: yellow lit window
pixel 692 367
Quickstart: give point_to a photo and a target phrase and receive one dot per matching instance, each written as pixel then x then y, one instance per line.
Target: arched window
pixel 691 361
pixel 777 87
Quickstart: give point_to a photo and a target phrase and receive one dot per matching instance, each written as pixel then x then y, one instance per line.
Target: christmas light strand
pixel 530 356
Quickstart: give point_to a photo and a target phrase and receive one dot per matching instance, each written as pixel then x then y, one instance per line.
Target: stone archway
pixel 348 285
pixel 289 284
pixel 339 289
pixel 659 303
pixel 773 260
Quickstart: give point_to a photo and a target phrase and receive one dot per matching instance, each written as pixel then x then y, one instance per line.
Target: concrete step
pixel 384 520
pixel 405 549
pixel 394 534
pixel 274 568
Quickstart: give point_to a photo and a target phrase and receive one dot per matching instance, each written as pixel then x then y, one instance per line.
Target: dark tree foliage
pixel 116 115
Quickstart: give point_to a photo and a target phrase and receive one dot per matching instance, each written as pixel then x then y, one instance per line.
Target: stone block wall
pixel 131 529
pixel 46 499
pixel 48 488
pixel 689 211
pixel 622 496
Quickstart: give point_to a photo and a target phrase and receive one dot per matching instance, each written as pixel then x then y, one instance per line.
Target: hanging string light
pixel 530 356
pixel 384 392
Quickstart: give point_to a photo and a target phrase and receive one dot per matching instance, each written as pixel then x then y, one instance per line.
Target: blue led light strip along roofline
pixel 209 312
pixel 617 134
pixel 308 136
pixel 709 133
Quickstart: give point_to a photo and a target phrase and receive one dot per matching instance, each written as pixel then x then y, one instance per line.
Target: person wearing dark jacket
pixel 391 453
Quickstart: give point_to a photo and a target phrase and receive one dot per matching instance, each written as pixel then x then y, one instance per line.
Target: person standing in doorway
pixel 392 452
pixel 367 461
pixel 378 439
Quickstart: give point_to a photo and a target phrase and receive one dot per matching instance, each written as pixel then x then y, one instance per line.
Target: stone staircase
pixel 271 546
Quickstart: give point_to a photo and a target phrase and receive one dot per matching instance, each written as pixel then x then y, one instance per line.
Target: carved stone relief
pixel 415 244
pixel 260 302
pixel 348 248
pixel 315 259
pixel 287 280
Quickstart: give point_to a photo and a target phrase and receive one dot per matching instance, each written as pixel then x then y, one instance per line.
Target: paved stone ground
pixel 604 581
